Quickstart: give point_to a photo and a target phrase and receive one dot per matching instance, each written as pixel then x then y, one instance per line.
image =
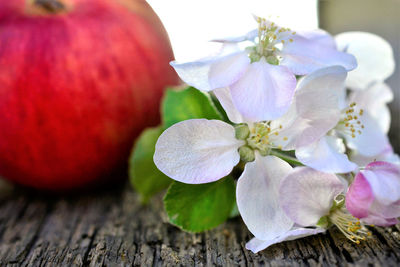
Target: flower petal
pixel 250 36
pixel 264 92
pixel 372 141
pixel 384 179
pixel 359 197
pixel 384 211
pixel 211 73
pixel 225 99
pixel 379 221
pixel 374 195
pixel 326 155
pixel 374 56
pixel 303 56
pixel 256 245
pixel 373 100
pixel 322 37
pixel 387 155
pixel 315 108
pixel 306 195
pixel 257 197
pixel 382 117
pixel 197 151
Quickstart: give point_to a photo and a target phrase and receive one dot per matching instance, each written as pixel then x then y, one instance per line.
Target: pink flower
pixel 374 196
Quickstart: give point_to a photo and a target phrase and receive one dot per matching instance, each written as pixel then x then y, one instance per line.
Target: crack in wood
pixel 85 260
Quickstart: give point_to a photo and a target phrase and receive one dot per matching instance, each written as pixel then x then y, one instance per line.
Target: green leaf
pixel 219 107
pixel 235 211
pixel 196 208
pixel 186 104
pixel 143 173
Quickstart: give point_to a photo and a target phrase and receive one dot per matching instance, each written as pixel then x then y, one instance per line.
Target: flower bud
pixel 242 131
pixel 246 154
pixel 273 60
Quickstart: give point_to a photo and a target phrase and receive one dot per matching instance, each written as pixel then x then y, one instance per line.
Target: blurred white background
pixel 192 23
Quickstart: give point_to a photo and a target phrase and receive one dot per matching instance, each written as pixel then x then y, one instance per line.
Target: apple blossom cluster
pixel 306 132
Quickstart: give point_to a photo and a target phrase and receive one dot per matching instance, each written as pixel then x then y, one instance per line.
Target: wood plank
pixel 111 228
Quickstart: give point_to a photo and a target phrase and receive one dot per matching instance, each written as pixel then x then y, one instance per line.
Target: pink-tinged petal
pixel 374 56
pixel 385 211
pixel 303 56
pixel 329 80
pixel 359 197
pixel 326 155
pixel 197 151
pixel 372 141
pixel 320 36
pixel 374 195
pixel 315 109
pixel 343 180
pixel 211 73
pixel 225 99
pixel 256 245
pixel 306 195
pixel 379 221
pixel 374 100
pixel 264 92
pixel 291 130
pixel 257 197
pixel 384 178
pixel 390 157
pixel 229 70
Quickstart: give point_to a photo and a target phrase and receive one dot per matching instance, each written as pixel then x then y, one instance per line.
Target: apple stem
pixel 52 6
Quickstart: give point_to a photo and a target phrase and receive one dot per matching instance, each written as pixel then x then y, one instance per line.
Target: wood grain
pixel 110 228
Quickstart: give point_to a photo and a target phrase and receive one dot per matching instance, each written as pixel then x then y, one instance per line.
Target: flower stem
pixel 287 158
pixel 52 6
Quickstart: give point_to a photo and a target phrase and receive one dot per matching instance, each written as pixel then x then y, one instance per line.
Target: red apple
pixel 79 80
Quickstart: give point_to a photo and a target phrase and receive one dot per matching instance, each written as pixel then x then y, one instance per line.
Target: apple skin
pixel 77 87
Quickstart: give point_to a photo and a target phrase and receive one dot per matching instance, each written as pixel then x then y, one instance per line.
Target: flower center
pixel 351 124
pixel 261 136
pixel 350 226
pixel 270 39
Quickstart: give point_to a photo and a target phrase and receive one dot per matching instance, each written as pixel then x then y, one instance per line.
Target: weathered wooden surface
pixel 110 228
